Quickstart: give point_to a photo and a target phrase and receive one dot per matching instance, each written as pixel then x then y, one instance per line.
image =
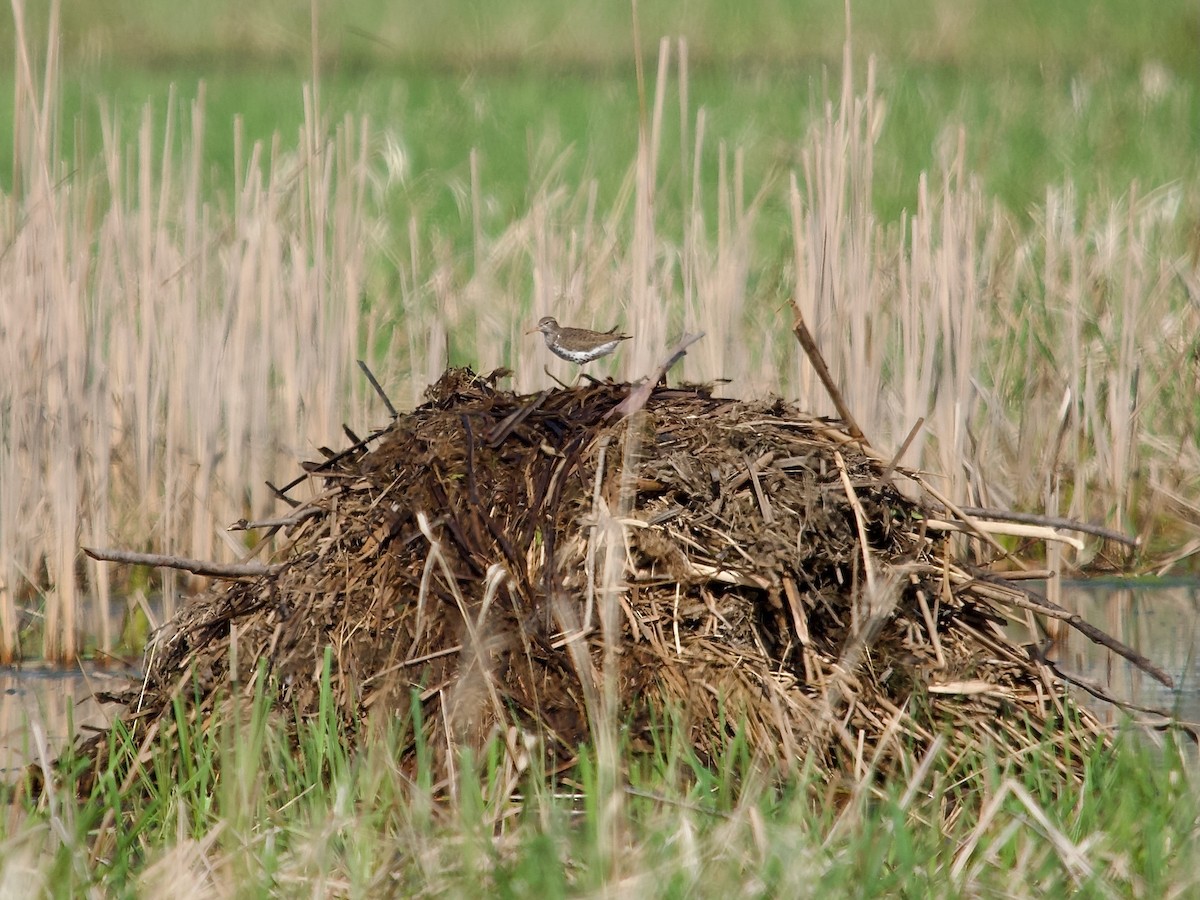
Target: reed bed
pixel 164 349
pixel 169 345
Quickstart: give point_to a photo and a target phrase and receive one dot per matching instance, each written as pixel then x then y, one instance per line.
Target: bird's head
pixel 546 325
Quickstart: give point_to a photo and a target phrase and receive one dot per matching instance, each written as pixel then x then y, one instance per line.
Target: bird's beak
pixel 533 330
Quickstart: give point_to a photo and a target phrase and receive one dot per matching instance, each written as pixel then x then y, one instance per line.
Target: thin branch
pixel 899 454
pixel 316 468
pixel 195 566
pixel 739 480
pixel 378 388
pixel 287 522
pixel 804 336
pixel 1035 602
pixel 1012 529
pixel 1009 515
pixel 639 395
pixel 505 427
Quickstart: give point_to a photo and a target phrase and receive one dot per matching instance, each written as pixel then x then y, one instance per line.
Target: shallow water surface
pixel 1161 621
pixel 45 706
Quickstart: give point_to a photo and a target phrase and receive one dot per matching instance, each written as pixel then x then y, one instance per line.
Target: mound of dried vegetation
pixel 516 560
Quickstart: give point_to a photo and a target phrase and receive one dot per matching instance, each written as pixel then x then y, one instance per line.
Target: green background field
pixel 1101 93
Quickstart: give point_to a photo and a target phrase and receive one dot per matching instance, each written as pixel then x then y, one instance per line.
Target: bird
pixel 578 345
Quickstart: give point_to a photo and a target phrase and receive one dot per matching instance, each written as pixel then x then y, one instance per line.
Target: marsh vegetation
pixel 991 233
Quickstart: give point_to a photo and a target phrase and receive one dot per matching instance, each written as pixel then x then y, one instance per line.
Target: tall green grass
pixel 243 807
pixel 170 343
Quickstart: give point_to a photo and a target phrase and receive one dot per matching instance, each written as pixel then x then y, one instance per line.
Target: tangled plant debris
pixel 723 564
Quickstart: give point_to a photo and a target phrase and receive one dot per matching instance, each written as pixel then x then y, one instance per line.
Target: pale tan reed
pixel 165 352
pixel 168 345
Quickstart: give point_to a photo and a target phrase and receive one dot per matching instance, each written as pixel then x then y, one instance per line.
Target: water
pixel 56 702
pixel 1161 621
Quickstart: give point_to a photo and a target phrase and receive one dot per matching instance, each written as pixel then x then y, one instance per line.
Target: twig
pixel 1031 575
pixel 472 490
pixel 281 493
pixel 317 468
pixel 763 503
pixel 869 451
pixel 378 389
pixel 428 657
pixel 804 336
pixel 758 465
pixel 1095 688
pixel 971 523
pixel 562 384
pixel 296 518
pixel 899 454
pixel 195 566
pixel 639 395
pixel 1024 598
pixel 1010 528
pixel 860 516
pixel 505 426
pixel 1009 515
pixel 727 576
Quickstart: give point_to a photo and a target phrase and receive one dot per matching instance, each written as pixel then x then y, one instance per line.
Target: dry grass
pixel 547 573
pixel 164 352
pixel 167 347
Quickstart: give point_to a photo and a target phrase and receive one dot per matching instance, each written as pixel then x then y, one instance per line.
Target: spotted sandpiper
pixel 578 345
